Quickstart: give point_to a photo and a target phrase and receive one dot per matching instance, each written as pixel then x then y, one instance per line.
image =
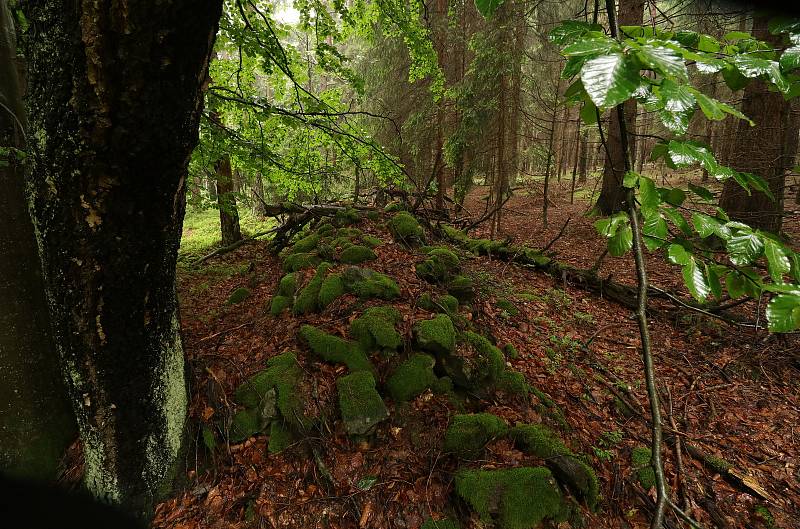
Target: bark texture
pixel 115 98
pixel 36 422
pixel 226 202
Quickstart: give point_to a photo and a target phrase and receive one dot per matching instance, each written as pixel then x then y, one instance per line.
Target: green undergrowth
pixel 201 232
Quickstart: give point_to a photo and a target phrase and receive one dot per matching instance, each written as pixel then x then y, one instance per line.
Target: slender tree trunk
pixel 612 194
pixel 226 202
pixel 115 99
pixel 582 157
pixel 762 150
pixel 36 421
pixel 257 190
pixel 548 164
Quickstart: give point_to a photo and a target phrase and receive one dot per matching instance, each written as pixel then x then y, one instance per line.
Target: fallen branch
pixel 232 247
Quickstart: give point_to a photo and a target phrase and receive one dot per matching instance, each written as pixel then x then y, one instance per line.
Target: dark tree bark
pixel 765 150
pixel 612 194
pixel 226 201
pixel 582 157
pixel 36 421
pixel 115 98
pixel 259 200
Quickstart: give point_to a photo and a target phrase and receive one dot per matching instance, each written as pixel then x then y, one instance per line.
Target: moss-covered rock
pixel 445 523
pixel 373 215
pixel 335 350
pixel 375 329
pixel 467 435
pixel 371 241
pixel 279 304
pixel 446 304
pixel 347 216
pixel 368 284
pixel 299 261
pixel 357 254
pixel 462 288
pixel 308 299
pixel 238 295
pixel 245 423
pixel 641 462
pixel 538 440
pixel 361 405
pixel 513 382
pixel 394 206
pixel 411 378
pixel 306 244
pixel 326 229
pixel 332 288
pixel 287 285
pixel 507 307
pixel 276 387
pixel 280 437
pixel 510 351
pixel 436 335
pixel 405 228
pixel 520 498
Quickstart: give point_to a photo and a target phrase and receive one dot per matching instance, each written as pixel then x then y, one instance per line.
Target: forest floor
pixel 728 391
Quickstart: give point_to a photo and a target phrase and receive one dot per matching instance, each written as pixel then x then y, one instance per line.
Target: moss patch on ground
pixel 641 462
pixel 405 228
pixel 375 329
pixel 335 350
pixel 369 284
pixel 468 434
pixel 308 299
pixel 437 335
pixel 412 377
pixel 361 405
pixel 357 254
pixel 238 295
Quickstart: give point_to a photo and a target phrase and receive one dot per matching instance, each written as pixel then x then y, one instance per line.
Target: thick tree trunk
pixel 762 150
pixel 612 194
pixel 116 94
pixel 226 202
pixel 36 421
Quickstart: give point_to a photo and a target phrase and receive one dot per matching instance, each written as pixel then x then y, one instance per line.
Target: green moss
pixel 455 234
pixel 299 261
pixel 439 267
pixel 335 350
pixel 640 461
pixel 238 295
pixel 332 287
pixel 462 288
pixel 283 374
pixel 507 306
pixel 280 437
pixel 405 228
pixel 510 351
pixel 375 329
pixel 361 405
pixel 763 512
pixel 357 254
pixel 373 215
pixel 368 284
pixel 346 217
pixel 392 207
pixel 436 335
pixel 468 434
pixel 513 382
pixel 308 299
pixel 306 244
pixel 371 241
pixel 718 464
pixel 447 303
pixel 491 357
pixel 411 378
pixel 522 498
pixel 326 229
pixel 445 523
pixel 539 441
pixel 287 285
pixel 279 304
pixel 443 385
pixel 246 423
pixel 347 233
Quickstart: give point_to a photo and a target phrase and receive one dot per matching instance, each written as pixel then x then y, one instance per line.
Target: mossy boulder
pixel 475 363
pixel 467 435
pixel 507 308
pixel 393 207
pixel 308 299
pixel 439 267
pixel 347 216
pixel 335 350
pixel 357 254
pixel 299 261
pixel 405 228
pixel 513 382
pixel 446 304
pixel 373 215
pixel 369 284
pixel 436 335
pixel 279 304
pixel 287 285
pixel 412 377
pixel 361 405
pixel 245 424
pixel 306 244
pixel 238 295
pixel 462 288
pixel 326 229
pixel 332 288
pixel 275 388
pixel 519 498
pixel 280 437
pixel 375 329
pixel 510 351
pixel 538 440
pixel 641 457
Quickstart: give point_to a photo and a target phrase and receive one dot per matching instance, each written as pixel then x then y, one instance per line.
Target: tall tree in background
pixel 36 422
pixel 116 93
pixel 612 194
pixel 768 149
pixel 226 201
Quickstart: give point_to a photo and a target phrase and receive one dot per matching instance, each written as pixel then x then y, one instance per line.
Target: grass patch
pixel 201 231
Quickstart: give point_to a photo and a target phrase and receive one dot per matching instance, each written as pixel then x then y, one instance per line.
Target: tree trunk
pixel 226 201
pixel 257 190
pixel 115 99
pixel 761 150
pixel 582 157
pixel 36 421
pixel 612 194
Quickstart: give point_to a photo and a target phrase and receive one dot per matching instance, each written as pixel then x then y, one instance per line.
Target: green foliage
pixel 521 497
pixel 436 335
pixel 357 254
pixel 411 378
pixel 375 329
pixel 361 405
pixel 238 295
pixel 468 434
pixel 335 350
pixel 368 284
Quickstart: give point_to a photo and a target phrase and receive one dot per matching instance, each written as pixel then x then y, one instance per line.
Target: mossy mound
pixel 445 523
pixel 412 377
pixel 507 307
pixel 538 440
pixel 375 329
pixel 307 244
pixel 641 457
pixel 513 382
pixel 279 304
pixel 439 267
pixel 361 405
pixel 280 437
pixel 308 299
pixel 283 374
pixel 335 350
pixel 287 285
pixel 332 287
pixel 510 351
pixel 447 303
pixel 393 207
pixel 520 498
pixel 462 288
pixel 238 295
pixel 371 241
pixel 405 228
pixel 357 254
pixel 245 424
pixel 436 335
pixel 325 229
pixel 368 284
pixel 346 216
pixel 299 261
pixel 467 435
